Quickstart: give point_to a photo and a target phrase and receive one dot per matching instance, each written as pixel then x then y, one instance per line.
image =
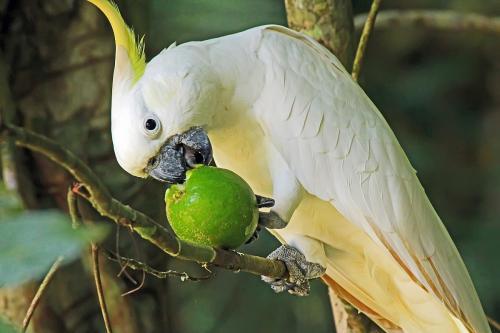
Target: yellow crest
pixel 124 36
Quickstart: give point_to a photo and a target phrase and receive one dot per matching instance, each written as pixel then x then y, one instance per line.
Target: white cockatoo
pixel 280 110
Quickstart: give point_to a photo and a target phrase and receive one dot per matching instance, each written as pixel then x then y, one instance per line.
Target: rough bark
pixel 328 21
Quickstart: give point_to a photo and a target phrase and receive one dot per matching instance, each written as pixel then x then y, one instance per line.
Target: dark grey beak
pixel 180 153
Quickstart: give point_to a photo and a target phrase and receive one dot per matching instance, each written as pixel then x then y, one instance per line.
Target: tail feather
pixel 366 275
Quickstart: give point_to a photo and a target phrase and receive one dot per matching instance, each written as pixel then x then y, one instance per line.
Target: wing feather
pixel 343 151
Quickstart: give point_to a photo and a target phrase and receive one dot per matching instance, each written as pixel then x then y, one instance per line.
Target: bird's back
pixel 343 152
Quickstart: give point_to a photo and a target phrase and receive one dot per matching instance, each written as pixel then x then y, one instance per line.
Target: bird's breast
pixel 240 145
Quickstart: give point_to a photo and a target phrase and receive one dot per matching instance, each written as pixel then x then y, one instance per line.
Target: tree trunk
pixel 330 22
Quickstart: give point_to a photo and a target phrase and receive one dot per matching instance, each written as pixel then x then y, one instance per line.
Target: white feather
pixel 273 99
pixel 363 171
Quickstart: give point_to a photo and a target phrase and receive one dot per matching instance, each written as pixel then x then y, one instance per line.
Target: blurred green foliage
pixel 189 20
pixel 440 94
pixel 6 327
pixel 31 241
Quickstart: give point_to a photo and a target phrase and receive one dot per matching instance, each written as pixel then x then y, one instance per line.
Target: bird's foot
pixel 300 271
pixel 269 220
pixel 263 202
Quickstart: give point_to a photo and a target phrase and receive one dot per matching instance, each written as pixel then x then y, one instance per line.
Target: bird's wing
pixel 343 151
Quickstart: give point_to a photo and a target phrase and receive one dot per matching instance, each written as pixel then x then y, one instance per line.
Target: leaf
pixel 5 327
pixel 30 242
pixel 9 203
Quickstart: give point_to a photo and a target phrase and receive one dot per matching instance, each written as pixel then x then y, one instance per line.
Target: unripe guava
pixel 213 207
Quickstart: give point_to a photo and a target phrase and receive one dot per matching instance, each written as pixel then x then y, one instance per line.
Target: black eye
pixel 150 124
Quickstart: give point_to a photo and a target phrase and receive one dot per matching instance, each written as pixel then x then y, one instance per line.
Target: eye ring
pixel 151 125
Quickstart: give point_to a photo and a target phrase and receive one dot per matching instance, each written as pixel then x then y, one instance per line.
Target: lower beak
pixel 180 153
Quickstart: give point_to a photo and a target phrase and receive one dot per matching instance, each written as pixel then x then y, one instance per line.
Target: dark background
pixel 439 91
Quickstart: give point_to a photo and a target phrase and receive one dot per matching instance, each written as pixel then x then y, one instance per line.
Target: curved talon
pixel 255 235
pixel 264 202
pixel 271 220
pixel 300 271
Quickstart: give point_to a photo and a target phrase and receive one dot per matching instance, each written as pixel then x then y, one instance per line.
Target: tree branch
pixel 71 200
pixel 14 174
pixel 363 41
pixel 446 20
pixel 98 287
pixel 143 225
pixel 140 266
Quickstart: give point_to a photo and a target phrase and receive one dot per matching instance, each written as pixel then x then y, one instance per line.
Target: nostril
pixel 193 157
pixel 153 161
pixel 198 158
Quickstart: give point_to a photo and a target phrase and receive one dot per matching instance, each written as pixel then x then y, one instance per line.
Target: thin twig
pixel 98 286
pixel 124 268
pixel 140 266
pixel 72 198
pixel 445 20
pixel 143 225
pixel 363 41
pixel 39 293
pixel 72 208
pixel 139 286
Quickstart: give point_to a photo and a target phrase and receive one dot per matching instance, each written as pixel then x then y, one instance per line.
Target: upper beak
pixel 180 153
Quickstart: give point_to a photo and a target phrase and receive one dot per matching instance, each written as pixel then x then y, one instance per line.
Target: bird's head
pixel 158 111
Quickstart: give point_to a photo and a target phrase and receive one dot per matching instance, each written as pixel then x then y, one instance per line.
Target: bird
pixel 280 110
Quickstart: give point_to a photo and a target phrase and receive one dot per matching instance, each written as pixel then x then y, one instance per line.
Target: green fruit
pixel 214 207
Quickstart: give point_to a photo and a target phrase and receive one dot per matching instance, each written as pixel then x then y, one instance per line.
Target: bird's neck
pixel 235 133
pixel 241 74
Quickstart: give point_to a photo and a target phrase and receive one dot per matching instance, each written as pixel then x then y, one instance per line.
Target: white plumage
pixel 341 150
pixel 282 112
